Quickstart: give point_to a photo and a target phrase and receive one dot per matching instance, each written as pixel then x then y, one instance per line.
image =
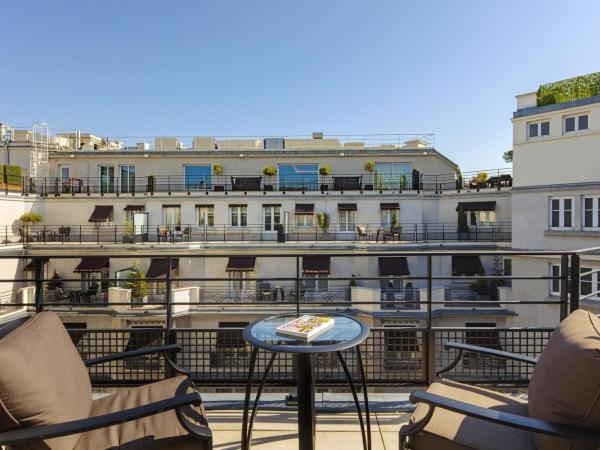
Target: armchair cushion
pixel 448 430
pixel 565 387
pixel 161 430
pixel 43 380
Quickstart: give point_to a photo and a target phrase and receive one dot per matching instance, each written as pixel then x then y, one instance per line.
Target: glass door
pixel 107 179
pixel 127 178
pixel 271 217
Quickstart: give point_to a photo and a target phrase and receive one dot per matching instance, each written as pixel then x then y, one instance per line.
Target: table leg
pixel 366 395
pixel 245 443
pixel 355 397
pixel 306 401
pixel 257 398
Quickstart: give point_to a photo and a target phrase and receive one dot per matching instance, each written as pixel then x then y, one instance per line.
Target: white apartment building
pixel 556 195
pixel 208 196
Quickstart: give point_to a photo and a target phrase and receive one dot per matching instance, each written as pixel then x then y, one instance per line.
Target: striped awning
pixel 347 207
pixel 316 264
pixel 389 205
pixel 134 208
pixel 477 206
pixel 305 208
pixel 101 213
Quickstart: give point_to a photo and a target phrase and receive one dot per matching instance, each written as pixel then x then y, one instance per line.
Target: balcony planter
pixel 268 187
pixel 127 239
pixel 280 233
pixel 324 187
pixel 219 188
pixel 368 187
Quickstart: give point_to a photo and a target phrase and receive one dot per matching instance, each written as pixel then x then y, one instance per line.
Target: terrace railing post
pixel 115 234
pixel 430 337
pixel 87 185
pixel 39 285
pixel 5 181
pixel 169 184
pixel 80 237
pixel 564 287
pixel 297 285
pixel 575 275
pixel 170 337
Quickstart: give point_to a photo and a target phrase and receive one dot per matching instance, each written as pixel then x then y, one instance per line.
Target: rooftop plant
pixel 370 166
pixel 323 221
pixel 325 170
pixel 567 90
pixel 217 169
pixel 31 217
pixel 270 171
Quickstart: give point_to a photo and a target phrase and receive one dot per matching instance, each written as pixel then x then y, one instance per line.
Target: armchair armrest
pixel 25 435
pixel 504 418
pixel 485 351
pixel 132 354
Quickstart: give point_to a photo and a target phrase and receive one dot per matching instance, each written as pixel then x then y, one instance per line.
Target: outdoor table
pixel 347 332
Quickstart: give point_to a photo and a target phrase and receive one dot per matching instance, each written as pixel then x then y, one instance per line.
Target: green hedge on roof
pixel 12 174
pixel 567 90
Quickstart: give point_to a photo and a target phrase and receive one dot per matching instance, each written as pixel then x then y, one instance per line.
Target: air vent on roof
pixel 274 143
pixel 318 135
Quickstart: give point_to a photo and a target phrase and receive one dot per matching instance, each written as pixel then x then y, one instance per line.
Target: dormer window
pixel 575 123
pixel 537 129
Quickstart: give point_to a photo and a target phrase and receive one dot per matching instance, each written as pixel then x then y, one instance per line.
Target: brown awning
pixel 395 265
pixel 241 263
pixel 315 264
pixel 389 205
pixel 30 266
pixel 101 213
pixel 158 267
pixel 205 205
pixel 347 207
pixel 92 263
pixel 305 208
pixel 134 208
pixel 466 265
pixel 477 206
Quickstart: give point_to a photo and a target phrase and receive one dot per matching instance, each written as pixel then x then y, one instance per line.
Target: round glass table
pixel 347 332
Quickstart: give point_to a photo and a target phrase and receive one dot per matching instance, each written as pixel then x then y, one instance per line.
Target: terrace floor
pixel 278 430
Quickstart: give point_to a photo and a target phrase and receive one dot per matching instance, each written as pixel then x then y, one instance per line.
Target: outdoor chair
pixel 46 397
pixel 64 234
pixel 562 411
pixel 187 234
pixel 163 234
pixel 362 233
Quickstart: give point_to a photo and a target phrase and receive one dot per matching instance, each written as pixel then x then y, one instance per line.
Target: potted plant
pixel 128 232
pixel 480 286
pixel 137 284
pixel 269 171
pixel 463 227
pixel 26 219
pixel 459 179
pixel 325 170
pixel 394 223
pixel 217 169
pixel 323 221
pixel 370 167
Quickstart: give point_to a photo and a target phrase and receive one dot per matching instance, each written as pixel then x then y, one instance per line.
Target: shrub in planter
pixel 370 166
pixel 31 218
pixel 325 170
pixel 269 171
pixel 323 221
pixel 136 283
pixel 463 227
pixel 217 169
pixel 480 286
pixel 567 90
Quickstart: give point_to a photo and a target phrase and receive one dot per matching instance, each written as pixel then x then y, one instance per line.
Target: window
pixel 127 178
pixel 305 221
pixel 555 281
pixel 482 338
pixel 197 177
pixel 298 177
pixel 387 217
pixel 172 215
pixel 537 129
pixel 65 173
pixel 561 213
pixel 316 282
pixel 575 123
pixel 242 286
pixel 392 175
pixel 238 215
pixel 482 217
pixel 591 212
pixel 107 179
pixel 271 217
pixel 142 336
pixel 347 220
pixel 205 215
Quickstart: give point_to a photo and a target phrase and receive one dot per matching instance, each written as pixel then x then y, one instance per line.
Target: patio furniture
pixel 363 233
pixel 187 234
pixel 64 234
pixel 163 234
pixel 347 183
pixel 562 410
pixel 26 236
pixel 245 183
pixel 347 333
pixel 46 397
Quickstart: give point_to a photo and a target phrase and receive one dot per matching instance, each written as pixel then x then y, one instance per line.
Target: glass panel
pixel 298 177
pixel 107 179
pixel 545 128
pixel 392 175
pixel 346 220
pixel 586 282
pixel 197 177
pixel 567 212
pixel 555 213
pixel 588 214
pixel 583 122
pixel 206 215
pixel 555 281
pixel 127 178
pixel 172 215
pixel 272 217
pixel 533 129
pixel 569 124
pixel 65 173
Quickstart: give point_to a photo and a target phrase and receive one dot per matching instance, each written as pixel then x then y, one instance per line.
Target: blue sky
pixel 282 67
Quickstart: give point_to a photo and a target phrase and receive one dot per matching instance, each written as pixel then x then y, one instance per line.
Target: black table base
pixel 305 382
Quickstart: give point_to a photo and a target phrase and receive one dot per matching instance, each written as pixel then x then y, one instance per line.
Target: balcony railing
pixel 168 234
pixel 393 354
pixel 205 184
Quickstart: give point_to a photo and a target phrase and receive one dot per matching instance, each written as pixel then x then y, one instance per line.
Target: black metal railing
pixel 394 354
pixel 202 184
pixel 169 234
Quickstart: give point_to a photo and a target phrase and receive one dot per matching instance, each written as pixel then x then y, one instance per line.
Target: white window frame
pixel 177 221
pixel 316 282
pixel 347 220
pixel 561 213
pixel 594 282
pixel 482 218
pixel 274 212
pixel 538 124
pixel 595 210
pixel 577 118
pixel 205 215
pixel 60 172
pixel 554 270
pixel 305 220
pixel 386 217
pixel 238 216
pixel 129 184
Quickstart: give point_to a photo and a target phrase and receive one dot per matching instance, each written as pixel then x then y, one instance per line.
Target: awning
pixel 389 205
pixel 304 208
pixel 92 263
pixel 30 266
pixel 477 206
pixel 204 206
pixel 466 265
pixel 346 206
pixel 101 213
pixel 315 264
pixel 395 265
pixel 241 263
pixel 158 267
pixel 134 208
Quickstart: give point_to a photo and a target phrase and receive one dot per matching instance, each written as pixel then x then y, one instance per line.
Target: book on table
pixel 305 327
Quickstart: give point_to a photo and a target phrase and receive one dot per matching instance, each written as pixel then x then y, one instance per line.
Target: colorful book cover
pixel 305 327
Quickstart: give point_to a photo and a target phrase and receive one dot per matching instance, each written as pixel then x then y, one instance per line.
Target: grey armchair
pixel 46 397
pixel 562 411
